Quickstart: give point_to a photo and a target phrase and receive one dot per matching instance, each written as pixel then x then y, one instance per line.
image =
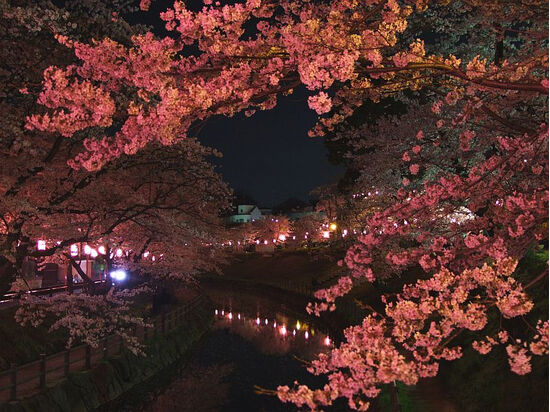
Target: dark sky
pixel 269 155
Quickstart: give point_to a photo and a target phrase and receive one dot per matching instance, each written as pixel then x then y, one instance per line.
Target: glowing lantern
pixel 239 316
pixel 326 234
pixel 283 330
pixel 223 312
pixel 216 311
pixel 87 249
pixel 298 326
pixel 230 316
pixel 306 335
pixel 41 245
pixel 266 322
pixel 333 226
pixel 119 252
pixel 265 242
pixel 257 321
pixel 74 250
pixel 93 253
pixel 327 341
pixel 101 250
pixel 294 332
pixel 282 238
pixel 146 254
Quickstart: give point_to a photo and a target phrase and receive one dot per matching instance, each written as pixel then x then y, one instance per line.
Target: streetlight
pixel 118 275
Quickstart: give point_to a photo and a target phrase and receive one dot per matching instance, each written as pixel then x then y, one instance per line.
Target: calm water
pixel 256 341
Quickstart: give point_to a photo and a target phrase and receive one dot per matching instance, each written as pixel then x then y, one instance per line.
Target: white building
pixel 245 213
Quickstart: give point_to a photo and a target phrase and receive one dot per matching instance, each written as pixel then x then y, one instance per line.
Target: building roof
pixel 245 209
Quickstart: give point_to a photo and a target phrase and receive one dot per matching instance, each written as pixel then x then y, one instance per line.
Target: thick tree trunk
pixel 89 283
pixel 394 398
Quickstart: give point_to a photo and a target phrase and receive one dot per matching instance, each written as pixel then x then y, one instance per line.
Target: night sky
pixel 269 155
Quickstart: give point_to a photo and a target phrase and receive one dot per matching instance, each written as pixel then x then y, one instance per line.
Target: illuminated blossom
pixel 321 103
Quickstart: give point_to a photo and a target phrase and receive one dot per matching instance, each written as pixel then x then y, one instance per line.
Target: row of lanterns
pixel 86 250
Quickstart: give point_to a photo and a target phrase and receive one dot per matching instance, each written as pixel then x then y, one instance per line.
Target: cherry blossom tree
pixel 27 48
pixel 272 227
pixel 471 194
pixel 160 206
pixel 309 228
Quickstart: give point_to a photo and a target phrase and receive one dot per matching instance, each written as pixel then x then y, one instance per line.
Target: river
pixel 257 340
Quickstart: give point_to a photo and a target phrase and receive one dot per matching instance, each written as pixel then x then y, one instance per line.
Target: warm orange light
pixel 333 226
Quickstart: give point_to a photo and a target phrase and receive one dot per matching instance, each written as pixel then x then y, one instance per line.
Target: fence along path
pixel 26 380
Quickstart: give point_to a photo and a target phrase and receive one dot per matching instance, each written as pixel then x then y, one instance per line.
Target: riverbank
pixel 114 378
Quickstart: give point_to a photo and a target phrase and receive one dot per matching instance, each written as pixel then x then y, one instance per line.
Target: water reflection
pixel 275 334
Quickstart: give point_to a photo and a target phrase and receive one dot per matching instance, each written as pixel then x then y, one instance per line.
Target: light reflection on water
pixel 274 325
pixel 277 334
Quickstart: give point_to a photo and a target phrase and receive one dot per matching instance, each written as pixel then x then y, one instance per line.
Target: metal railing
pixel 25 380
pixel 12 296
